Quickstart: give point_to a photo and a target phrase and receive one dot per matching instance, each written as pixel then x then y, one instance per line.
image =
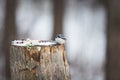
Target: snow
pixel 32 42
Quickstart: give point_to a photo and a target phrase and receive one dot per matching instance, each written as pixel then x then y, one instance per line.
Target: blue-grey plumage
pixel 60 39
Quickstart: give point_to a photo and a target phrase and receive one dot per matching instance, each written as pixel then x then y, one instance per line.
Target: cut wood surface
pixel 39 63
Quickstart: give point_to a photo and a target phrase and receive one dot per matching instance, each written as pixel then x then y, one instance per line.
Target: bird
pixel 60 39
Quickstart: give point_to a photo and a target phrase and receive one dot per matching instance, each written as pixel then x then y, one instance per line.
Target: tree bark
pixel 39 63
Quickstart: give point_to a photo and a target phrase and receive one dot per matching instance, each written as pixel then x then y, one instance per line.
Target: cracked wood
pixel 48 63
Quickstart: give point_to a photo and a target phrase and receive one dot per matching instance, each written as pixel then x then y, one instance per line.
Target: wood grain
pixel 48 63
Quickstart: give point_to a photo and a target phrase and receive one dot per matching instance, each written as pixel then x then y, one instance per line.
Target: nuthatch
pixel 60 39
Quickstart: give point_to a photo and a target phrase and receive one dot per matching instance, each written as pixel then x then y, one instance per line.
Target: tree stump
pixel 38 62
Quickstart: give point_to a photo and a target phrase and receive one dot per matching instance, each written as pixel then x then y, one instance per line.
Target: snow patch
pixel 29 42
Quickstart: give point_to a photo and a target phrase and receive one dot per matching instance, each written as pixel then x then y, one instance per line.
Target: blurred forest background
pixel 92 29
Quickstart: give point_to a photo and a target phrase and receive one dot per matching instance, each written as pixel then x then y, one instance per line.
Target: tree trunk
pixel 58 16
pixel 113 50
pixel 10 32
pixel 39 63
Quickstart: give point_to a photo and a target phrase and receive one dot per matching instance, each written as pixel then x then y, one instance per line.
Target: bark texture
pixel 39 63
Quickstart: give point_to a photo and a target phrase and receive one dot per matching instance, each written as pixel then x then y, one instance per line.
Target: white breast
pixel 59 40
